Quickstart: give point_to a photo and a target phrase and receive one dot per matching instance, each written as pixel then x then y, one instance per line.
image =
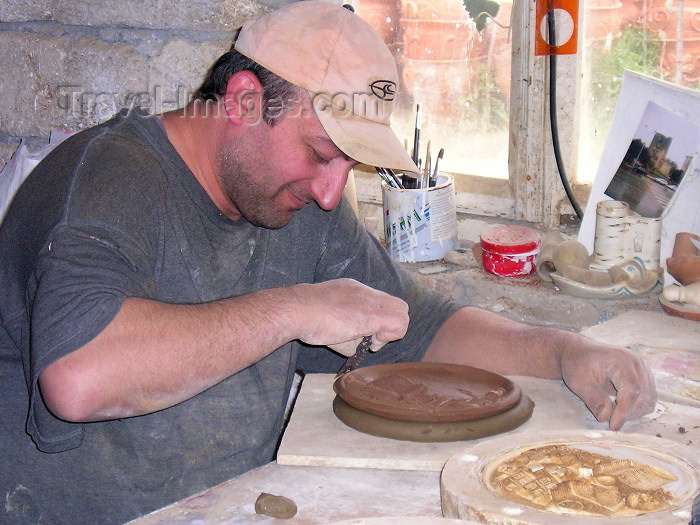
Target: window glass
pixel 660 38
pixel 454 61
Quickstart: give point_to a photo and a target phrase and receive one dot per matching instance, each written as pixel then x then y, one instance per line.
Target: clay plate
pixel 684 310
pixel 427 392
pixel 434 432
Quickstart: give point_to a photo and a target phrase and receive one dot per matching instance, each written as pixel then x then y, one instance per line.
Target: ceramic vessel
pixel 685 311
pixel 383 16
pixel 603 19
pixel 437 36
pixel 427 392
pixel 680 34
pixel 684 263
pixel 437 9
pixel 621 235
pixel 428 39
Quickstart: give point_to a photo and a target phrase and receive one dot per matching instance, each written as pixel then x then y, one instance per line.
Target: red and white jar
pixel 510 250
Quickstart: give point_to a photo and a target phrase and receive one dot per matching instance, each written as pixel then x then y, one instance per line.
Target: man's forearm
pixel 592 370
pixel 154 355
pixel 492 342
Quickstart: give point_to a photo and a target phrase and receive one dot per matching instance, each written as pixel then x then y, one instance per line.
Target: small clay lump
pixel 275 506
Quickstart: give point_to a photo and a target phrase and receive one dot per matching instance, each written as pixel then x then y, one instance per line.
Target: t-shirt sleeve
pixel 80 281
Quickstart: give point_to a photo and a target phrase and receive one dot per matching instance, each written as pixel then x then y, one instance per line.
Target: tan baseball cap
pixel 345 66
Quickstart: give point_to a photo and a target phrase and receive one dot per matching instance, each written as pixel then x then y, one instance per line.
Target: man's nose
pixel 327 187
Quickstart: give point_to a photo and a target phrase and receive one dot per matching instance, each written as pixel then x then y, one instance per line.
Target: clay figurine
pixel 689 294
pixel 568 264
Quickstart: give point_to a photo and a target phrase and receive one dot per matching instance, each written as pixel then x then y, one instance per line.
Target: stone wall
pixel 69 64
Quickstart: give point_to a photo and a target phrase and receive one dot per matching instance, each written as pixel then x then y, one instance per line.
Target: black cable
pixel 553 116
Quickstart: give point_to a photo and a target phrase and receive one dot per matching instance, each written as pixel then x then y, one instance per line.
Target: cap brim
pixel 367 141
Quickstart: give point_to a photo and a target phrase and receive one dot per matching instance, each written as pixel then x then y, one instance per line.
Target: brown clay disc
pixel 434 432
pixel 427 392
pixel 686 311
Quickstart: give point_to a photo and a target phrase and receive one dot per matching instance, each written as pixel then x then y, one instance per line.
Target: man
pixel 166 278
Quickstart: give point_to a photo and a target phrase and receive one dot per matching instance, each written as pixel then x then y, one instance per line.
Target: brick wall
pixel 69 64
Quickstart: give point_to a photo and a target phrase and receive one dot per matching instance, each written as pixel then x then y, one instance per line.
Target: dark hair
pixel 277 92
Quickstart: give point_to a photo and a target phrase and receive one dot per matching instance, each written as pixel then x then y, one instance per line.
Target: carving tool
pixel 355 359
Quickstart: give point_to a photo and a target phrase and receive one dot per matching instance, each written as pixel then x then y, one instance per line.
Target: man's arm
pixel 592 370
pixel 154 355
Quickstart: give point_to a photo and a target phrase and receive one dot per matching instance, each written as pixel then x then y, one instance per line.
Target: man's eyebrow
pixel 327 140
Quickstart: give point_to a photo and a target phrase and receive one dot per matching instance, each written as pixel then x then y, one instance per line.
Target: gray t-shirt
pixel 114 212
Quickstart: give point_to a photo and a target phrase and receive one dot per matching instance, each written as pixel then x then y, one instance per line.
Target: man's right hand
pixel 339 313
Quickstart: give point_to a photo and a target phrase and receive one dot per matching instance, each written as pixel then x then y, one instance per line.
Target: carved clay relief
pixel 562 479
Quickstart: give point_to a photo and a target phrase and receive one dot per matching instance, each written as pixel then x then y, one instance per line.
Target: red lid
pixel 510 239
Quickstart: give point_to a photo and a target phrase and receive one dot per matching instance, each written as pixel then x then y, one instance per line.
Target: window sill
pixel 527 299
pixel 480 201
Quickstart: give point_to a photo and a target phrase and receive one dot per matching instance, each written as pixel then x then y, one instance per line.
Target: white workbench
pixel 365 485
pixel 335 473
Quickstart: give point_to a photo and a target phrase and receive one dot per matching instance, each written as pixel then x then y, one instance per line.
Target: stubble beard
pixel 247 191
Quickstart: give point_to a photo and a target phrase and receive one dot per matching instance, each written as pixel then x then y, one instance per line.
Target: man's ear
pixel 243 99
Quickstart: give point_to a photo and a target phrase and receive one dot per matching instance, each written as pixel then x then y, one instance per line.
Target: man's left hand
pixel 601 371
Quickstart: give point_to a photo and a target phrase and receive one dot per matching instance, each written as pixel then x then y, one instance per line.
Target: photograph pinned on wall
pixel 656 160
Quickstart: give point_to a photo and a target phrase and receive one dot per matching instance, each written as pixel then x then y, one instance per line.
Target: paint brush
pixel 416 135
pixel 386 178
pixel 436 171
pixel 389 177
pixel 425 177
pixel 410 181
pixel 394 177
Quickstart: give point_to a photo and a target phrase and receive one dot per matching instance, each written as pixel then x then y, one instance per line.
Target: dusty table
pixel 670 346
pixel 333 472
pixel 323 495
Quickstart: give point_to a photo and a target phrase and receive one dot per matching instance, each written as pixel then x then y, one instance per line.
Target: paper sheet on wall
pixel 20 166
pixel 683 211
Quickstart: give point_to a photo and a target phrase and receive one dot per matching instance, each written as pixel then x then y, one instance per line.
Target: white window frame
pixel 534 191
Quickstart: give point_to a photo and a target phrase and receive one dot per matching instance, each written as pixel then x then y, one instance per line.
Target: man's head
pixel 347 70
pixel 318 83
pixel 268 172
pixel 273 156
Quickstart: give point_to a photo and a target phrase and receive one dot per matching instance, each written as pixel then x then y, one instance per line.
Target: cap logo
pixel 384 89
